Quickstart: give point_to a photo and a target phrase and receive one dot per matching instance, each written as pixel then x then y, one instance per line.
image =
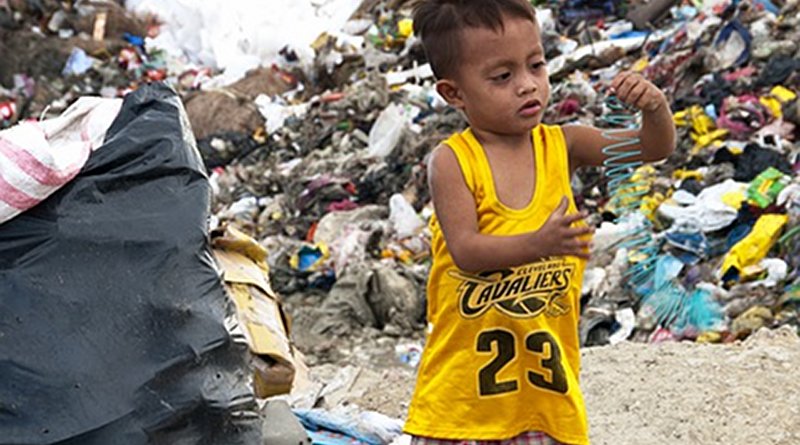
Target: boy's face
pixel 502 83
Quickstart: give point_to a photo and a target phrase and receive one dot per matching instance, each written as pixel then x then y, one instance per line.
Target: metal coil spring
pixel 626 194
pixel 666 303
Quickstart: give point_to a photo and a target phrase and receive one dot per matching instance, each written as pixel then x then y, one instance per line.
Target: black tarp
pixel 111 310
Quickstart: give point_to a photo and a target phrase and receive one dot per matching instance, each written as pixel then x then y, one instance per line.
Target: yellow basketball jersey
pixel 502 353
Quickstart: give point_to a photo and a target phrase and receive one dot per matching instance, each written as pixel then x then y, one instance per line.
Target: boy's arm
pixel 656 136
pixel 473 251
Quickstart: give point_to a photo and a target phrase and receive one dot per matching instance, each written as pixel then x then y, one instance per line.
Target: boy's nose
pixel 527 87
pixel 528 84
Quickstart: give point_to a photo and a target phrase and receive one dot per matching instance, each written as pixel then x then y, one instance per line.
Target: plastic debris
pixel 754 247
pixel 309 258
pixel 78 63
pixel 387 130
pixel 366 427
pixel 409 354
pixel 404 218
pixel 764 190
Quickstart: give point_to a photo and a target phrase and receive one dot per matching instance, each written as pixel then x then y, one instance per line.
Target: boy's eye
pixel 537 65
pixel 501 77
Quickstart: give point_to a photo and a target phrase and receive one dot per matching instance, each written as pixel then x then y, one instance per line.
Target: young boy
pixel 501 361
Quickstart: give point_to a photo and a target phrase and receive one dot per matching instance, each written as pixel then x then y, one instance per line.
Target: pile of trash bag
pixel 113 316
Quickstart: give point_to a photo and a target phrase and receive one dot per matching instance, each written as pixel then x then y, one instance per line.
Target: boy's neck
pixel 505 141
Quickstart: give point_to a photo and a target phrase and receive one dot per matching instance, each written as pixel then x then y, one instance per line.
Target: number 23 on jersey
pixel 501 345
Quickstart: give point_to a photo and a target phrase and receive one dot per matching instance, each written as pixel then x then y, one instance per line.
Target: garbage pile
pixel 320 154
pixel 338 193
pixel 317 146
pixel 710 248
pixel 54 52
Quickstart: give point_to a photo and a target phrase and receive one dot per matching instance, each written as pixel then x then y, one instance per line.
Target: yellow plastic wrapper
pixel 783 94
pixel 713 138
pixel 683 174
pixel 405 28
pixel 704 130
pixel 696 117
pixel 755 246
pixel 773 105
pixel 774 101
pixel 734 199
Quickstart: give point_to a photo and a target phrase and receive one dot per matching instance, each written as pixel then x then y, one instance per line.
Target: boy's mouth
pixel 530 108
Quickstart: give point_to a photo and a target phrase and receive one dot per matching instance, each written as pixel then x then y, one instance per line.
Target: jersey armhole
pixel 467 173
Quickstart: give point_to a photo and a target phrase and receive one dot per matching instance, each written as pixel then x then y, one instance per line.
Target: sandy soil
pixel 685 393
pixel 672 393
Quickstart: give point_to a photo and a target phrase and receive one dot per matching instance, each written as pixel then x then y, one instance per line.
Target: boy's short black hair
pixel 440 22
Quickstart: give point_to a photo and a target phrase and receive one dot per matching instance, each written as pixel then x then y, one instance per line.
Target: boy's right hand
pixel 557 237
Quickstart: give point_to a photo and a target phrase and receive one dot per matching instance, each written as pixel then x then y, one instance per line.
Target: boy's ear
pixel 450 92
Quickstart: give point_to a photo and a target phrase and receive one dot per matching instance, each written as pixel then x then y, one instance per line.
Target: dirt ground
pixel 673 393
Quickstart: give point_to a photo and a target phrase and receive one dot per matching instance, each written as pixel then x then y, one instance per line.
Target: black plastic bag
pixel 111 309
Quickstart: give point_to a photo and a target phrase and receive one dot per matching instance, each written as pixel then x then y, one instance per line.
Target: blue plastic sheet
pixel 685 313
pixel 78 63
pixel 700 313
pixel 366 427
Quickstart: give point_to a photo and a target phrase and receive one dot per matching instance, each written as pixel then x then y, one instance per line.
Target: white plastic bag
pixel 38 158
pixel 238 35
pixel 708 212
pixel 404 218
pixel 387 130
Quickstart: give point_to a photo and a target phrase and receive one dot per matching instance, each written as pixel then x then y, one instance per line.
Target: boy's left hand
pixel 634 90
